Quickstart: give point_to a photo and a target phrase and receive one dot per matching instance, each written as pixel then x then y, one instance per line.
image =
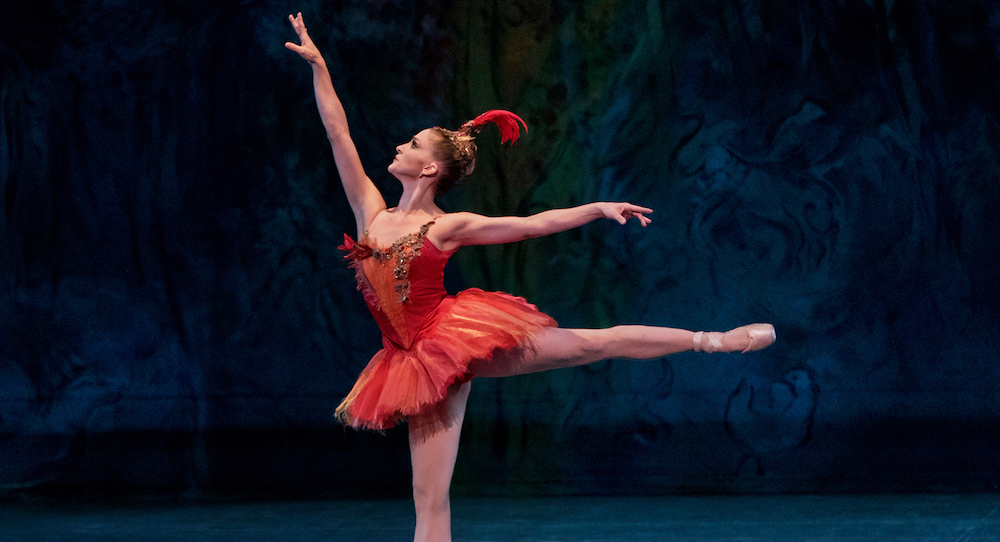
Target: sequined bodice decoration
pixel 402 283
pixel 402 252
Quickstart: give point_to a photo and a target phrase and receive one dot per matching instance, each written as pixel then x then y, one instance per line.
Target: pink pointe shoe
pixel 757 336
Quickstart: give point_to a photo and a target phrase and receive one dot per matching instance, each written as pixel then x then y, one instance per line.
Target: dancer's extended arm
pixel 365 199
pixel 460 229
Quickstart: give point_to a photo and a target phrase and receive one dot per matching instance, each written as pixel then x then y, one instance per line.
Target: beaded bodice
pixel 402 284
pixel 401 253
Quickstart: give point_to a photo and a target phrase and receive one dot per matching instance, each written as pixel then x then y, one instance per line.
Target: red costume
pixel 429 338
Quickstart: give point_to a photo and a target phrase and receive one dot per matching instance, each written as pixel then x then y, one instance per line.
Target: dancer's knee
pixel 593 345
pixel 431 497
pixel 582 346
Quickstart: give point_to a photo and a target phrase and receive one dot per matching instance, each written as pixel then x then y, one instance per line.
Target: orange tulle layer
pixel 471 326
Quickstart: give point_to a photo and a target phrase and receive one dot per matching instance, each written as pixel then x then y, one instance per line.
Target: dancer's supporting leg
pixel 433 458
pixel 555 348
pixel 433 453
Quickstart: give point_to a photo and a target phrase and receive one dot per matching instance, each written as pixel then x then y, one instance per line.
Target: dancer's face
pixel 415 157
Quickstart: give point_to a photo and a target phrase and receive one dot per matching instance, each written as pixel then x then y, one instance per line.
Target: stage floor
pixel 866 518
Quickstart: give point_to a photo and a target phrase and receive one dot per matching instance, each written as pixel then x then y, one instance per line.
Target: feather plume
pixel 505 121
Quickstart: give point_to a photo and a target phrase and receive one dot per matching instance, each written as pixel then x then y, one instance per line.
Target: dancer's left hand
pixel 622 211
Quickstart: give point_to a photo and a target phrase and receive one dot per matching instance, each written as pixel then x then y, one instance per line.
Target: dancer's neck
pixel 418 197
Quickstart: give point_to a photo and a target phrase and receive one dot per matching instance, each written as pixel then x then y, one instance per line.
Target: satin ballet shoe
pixel 759 337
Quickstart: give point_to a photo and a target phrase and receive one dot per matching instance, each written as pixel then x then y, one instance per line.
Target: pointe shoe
pixel 759 337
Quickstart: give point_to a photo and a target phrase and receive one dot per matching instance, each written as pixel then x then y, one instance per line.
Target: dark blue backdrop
pixel 174 315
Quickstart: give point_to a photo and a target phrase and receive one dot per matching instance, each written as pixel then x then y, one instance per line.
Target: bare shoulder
pixel 446 233
pixel 451 220
pixel 446 223
pixel 454 223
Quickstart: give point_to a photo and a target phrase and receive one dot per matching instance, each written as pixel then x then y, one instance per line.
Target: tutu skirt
pixel 472 326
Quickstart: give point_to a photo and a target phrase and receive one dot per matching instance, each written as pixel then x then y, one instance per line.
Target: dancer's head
pixel 455 151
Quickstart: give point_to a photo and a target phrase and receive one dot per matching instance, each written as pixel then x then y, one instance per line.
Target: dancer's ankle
pixel 742 339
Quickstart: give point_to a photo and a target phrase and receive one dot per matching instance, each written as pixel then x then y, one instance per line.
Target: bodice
pixel 403 284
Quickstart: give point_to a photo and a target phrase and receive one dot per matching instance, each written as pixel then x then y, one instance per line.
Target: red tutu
pixel 429 338
pixel 469 327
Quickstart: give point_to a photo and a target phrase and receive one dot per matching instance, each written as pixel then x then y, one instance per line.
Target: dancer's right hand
pixel 307 49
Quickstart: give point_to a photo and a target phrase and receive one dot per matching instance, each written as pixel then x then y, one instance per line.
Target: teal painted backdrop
pixel 175 316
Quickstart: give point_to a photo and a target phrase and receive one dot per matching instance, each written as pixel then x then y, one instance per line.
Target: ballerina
pixel 434 344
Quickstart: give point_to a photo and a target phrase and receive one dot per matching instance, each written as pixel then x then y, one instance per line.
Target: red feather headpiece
pixel 464 139
pixel 506 121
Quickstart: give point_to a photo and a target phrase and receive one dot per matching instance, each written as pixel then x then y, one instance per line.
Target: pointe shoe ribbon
pixel 759 336
pixel 714 342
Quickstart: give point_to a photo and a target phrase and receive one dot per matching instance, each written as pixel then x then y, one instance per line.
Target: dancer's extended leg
pixel 555 348
pixel 432 455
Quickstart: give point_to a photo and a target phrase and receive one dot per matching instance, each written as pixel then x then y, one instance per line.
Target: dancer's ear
pixel 430 170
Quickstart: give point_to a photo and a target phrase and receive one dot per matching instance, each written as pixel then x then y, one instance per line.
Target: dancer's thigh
pixel 552 348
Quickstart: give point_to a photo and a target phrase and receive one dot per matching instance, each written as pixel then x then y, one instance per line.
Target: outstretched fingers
pixel 624 211
pixel 306 49
pixel 297 23
pixel 639 213
pixel 300 31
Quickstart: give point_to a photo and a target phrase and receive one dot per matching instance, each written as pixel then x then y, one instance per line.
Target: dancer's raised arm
pixel 365 199
pixel 461 229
